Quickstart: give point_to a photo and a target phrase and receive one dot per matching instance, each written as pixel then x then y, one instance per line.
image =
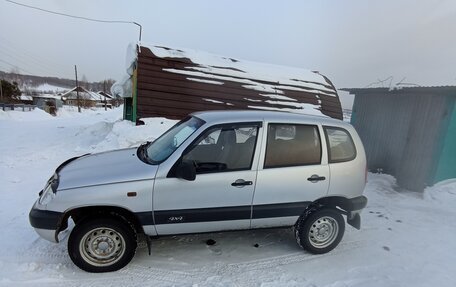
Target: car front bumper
pixel 46 223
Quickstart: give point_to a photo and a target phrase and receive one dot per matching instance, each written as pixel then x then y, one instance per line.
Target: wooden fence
pixel 14 107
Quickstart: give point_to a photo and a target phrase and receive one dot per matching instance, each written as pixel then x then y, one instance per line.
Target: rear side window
pixel 292 145
pixel 341 147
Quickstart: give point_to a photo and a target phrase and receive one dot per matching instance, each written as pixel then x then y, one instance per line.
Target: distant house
pixel 106 99
pixel 86 98
pixel 47 102
pixel 172 83
pixel 41 100
pixel 103 94
pixel 409 133
pixel 26 99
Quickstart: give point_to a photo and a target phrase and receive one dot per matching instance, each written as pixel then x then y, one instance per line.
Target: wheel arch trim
pixel 82 212
pixel 351 207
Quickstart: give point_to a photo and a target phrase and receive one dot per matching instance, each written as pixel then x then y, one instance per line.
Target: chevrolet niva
pixel 213 171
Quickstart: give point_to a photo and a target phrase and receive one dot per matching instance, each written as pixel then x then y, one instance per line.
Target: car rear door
pixel 293 172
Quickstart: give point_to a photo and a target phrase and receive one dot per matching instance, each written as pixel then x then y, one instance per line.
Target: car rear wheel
pixel 320 231
pixel 102 244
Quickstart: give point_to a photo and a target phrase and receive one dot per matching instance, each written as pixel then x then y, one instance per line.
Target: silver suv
pixel 213 171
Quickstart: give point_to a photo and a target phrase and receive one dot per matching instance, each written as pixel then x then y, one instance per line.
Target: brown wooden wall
pixel 172 95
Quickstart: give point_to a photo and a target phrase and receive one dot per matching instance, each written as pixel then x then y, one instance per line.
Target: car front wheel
pixel 320 231
pixel 102 244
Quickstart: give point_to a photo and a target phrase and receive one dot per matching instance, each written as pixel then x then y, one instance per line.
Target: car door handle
pixel 316 178
pixel 241 183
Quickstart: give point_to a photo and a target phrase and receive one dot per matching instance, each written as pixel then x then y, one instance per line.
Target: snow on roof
pixel 248 72
pixel 84 93
pixel 262 77
pixel 26 98
pixel 103 94
pixel 48 96
pixel 398 88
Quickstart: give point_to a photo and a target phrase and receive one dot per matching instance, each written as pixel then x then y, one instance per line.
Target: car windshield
pixel 165 145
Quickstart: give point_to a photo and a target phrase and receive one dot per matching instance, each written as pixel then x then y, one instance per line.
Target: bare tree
pixel 85 82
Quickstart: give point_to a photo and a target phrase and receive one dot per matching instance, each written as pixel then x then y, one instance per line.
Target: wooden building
pixel 172 83
pixel 87 98
pixel 409 133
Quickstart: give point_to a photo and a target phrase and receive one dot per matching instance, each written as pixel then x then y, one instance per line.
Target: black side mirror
pixel 186 170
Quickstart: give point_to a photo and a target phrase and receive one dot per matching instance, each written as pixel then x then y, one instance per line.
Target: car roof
pixel 230 116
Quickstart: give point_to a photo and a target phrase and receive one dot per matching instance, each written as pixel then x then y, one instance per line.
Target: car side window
pixel 292 145
pixel 341 147
pixel 224 149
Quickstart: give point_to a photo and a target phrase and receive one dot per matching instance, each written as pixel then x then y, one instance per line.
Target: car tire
pixel 102 244
pixel 320 230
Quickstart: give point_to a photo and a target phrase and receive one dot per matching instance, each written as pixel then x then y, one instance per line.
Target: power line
pixel 19 52
pixel 25 62
pixel 14 66
pixel 79 17
pixel 21 49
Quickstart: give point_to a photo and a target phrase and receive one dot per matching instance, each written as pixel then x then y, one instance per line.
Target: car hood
pixel 104 168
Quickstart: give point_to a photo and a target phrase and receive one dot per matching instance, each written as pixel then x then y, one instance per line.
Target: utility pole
pixel 1 90
pixel 77 88
pixel 104 91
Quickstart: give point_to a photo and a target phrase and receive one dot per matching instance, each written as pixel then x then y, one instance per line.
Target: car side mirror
pixel 186 170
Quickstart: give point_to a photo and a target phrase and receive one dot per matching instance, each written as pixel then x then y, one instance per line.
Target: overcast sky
pixel 354 43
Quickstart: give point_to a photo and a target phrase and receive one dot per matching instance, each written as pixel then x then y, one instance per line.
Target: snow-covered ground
pixel 407 238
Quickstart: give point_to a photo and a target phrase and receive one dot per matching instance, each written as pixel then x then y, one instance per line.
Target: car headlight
pixel 47 195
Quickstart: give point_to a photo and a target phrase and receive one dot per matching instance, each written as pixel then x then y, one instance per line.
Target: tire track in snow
pixel 136 274
pixel 300 256
pixel 145 273
pixel 232 270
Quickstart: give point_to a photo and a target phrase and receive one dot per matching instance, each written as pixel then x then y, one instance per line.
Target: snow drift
pixel 406 239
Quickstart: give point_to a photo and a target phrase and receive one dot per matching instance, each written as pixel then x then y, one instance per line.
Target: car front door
pixel 226 160
pixel 293 173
